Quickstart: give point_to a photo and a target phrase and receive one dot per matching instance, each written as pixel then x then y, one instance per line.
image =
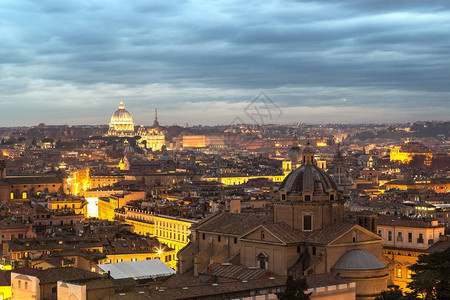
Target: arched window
pixel 262 235
pixel 262 260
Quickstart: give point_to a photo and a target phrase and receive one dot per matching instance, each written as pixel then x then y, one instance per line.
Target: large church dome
pixel 308 178
pixel 121 122
pixel 121 115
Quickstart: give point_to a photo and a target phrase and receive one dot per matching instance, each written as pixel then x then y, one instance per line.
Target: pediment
pixel 256 235
pixel 361 235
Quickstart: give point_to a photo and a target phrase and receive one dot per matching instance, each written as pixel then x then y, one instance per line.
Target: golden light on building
pixel 121 122
pixel 194 141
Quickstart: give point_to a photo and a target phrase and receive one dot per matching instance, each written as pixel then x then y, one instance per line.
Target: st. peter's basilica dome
pixel 121 122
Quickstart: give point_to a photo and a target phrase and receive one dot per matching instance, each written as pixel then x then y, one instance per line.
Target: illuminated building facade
pixel 236 180
pixel 108 205
pixel 438 185
pixel 404 240
pixel 21 188
pixel 194 141
pixel 406 153
pixel 137 250
pixel 153 138
pixel 78 182
pixel 77 205
pixel 171 231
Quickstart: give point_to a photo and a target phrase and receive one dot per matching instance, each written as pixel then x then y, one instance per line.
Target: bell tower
pixel 2 166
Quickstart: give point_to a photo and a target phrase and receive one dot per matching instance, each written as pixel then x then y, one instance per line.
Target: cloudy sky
pixel 203 62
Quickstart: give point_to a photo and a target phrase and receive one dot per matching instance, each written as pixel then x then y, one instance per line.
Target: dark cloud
pixel 169 53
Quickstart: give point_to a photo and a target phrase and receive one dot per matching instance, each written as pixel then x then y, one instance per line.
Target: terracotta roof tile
pixel 328 234
pixel 236 271
pixel 285 233
pixel 234 224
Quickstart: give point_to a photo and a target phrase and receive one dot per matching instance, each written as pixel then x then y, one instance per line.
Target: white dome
pixel 121 121
pixel 121 116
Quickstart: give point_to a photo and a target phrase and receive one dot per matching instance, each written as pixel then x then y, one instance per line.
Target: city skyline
pixel 203 63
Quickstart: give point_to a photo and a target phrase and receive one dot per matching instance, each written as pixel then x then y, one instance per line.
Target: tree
pixel 392 294
pixel 431 276
pixel 295 289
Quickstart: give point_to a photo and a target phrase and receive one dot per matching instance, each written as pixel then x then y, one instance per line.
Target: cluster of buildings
pixel 126 212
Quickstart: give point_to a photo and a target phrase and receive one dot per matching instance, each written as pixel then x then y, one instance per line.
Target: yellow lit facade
pixel 438 187
pixel 5 290
pixel 108 205
pixel 194 141
pixel 78 182
pixel 405 157
pixel 96 181
pixel 79 206
pixel 153 137
pixel 172 231
pixel 236 180
pixel 168 257
pixel 403 245
pixel 143 221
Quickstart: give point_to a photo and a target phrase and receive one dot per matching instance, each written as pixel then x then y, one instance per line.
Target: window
pixel 420 239
pixel 26 285
pixel 399 272
pixel 400 237
pixel 119 260
pixel 390 236
pixel 314 250
pixel 307 222
pixel 262 235
pixel 283 197
pixel 298 249
pixel 409 237
pixel 219 238
pixel 430 242
pixel 203 236
pixel 262 260
pixel 20 284
pixel 235 240
pixel 307 197
pixel 379 232
pixel 332 197
pixel 409 274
